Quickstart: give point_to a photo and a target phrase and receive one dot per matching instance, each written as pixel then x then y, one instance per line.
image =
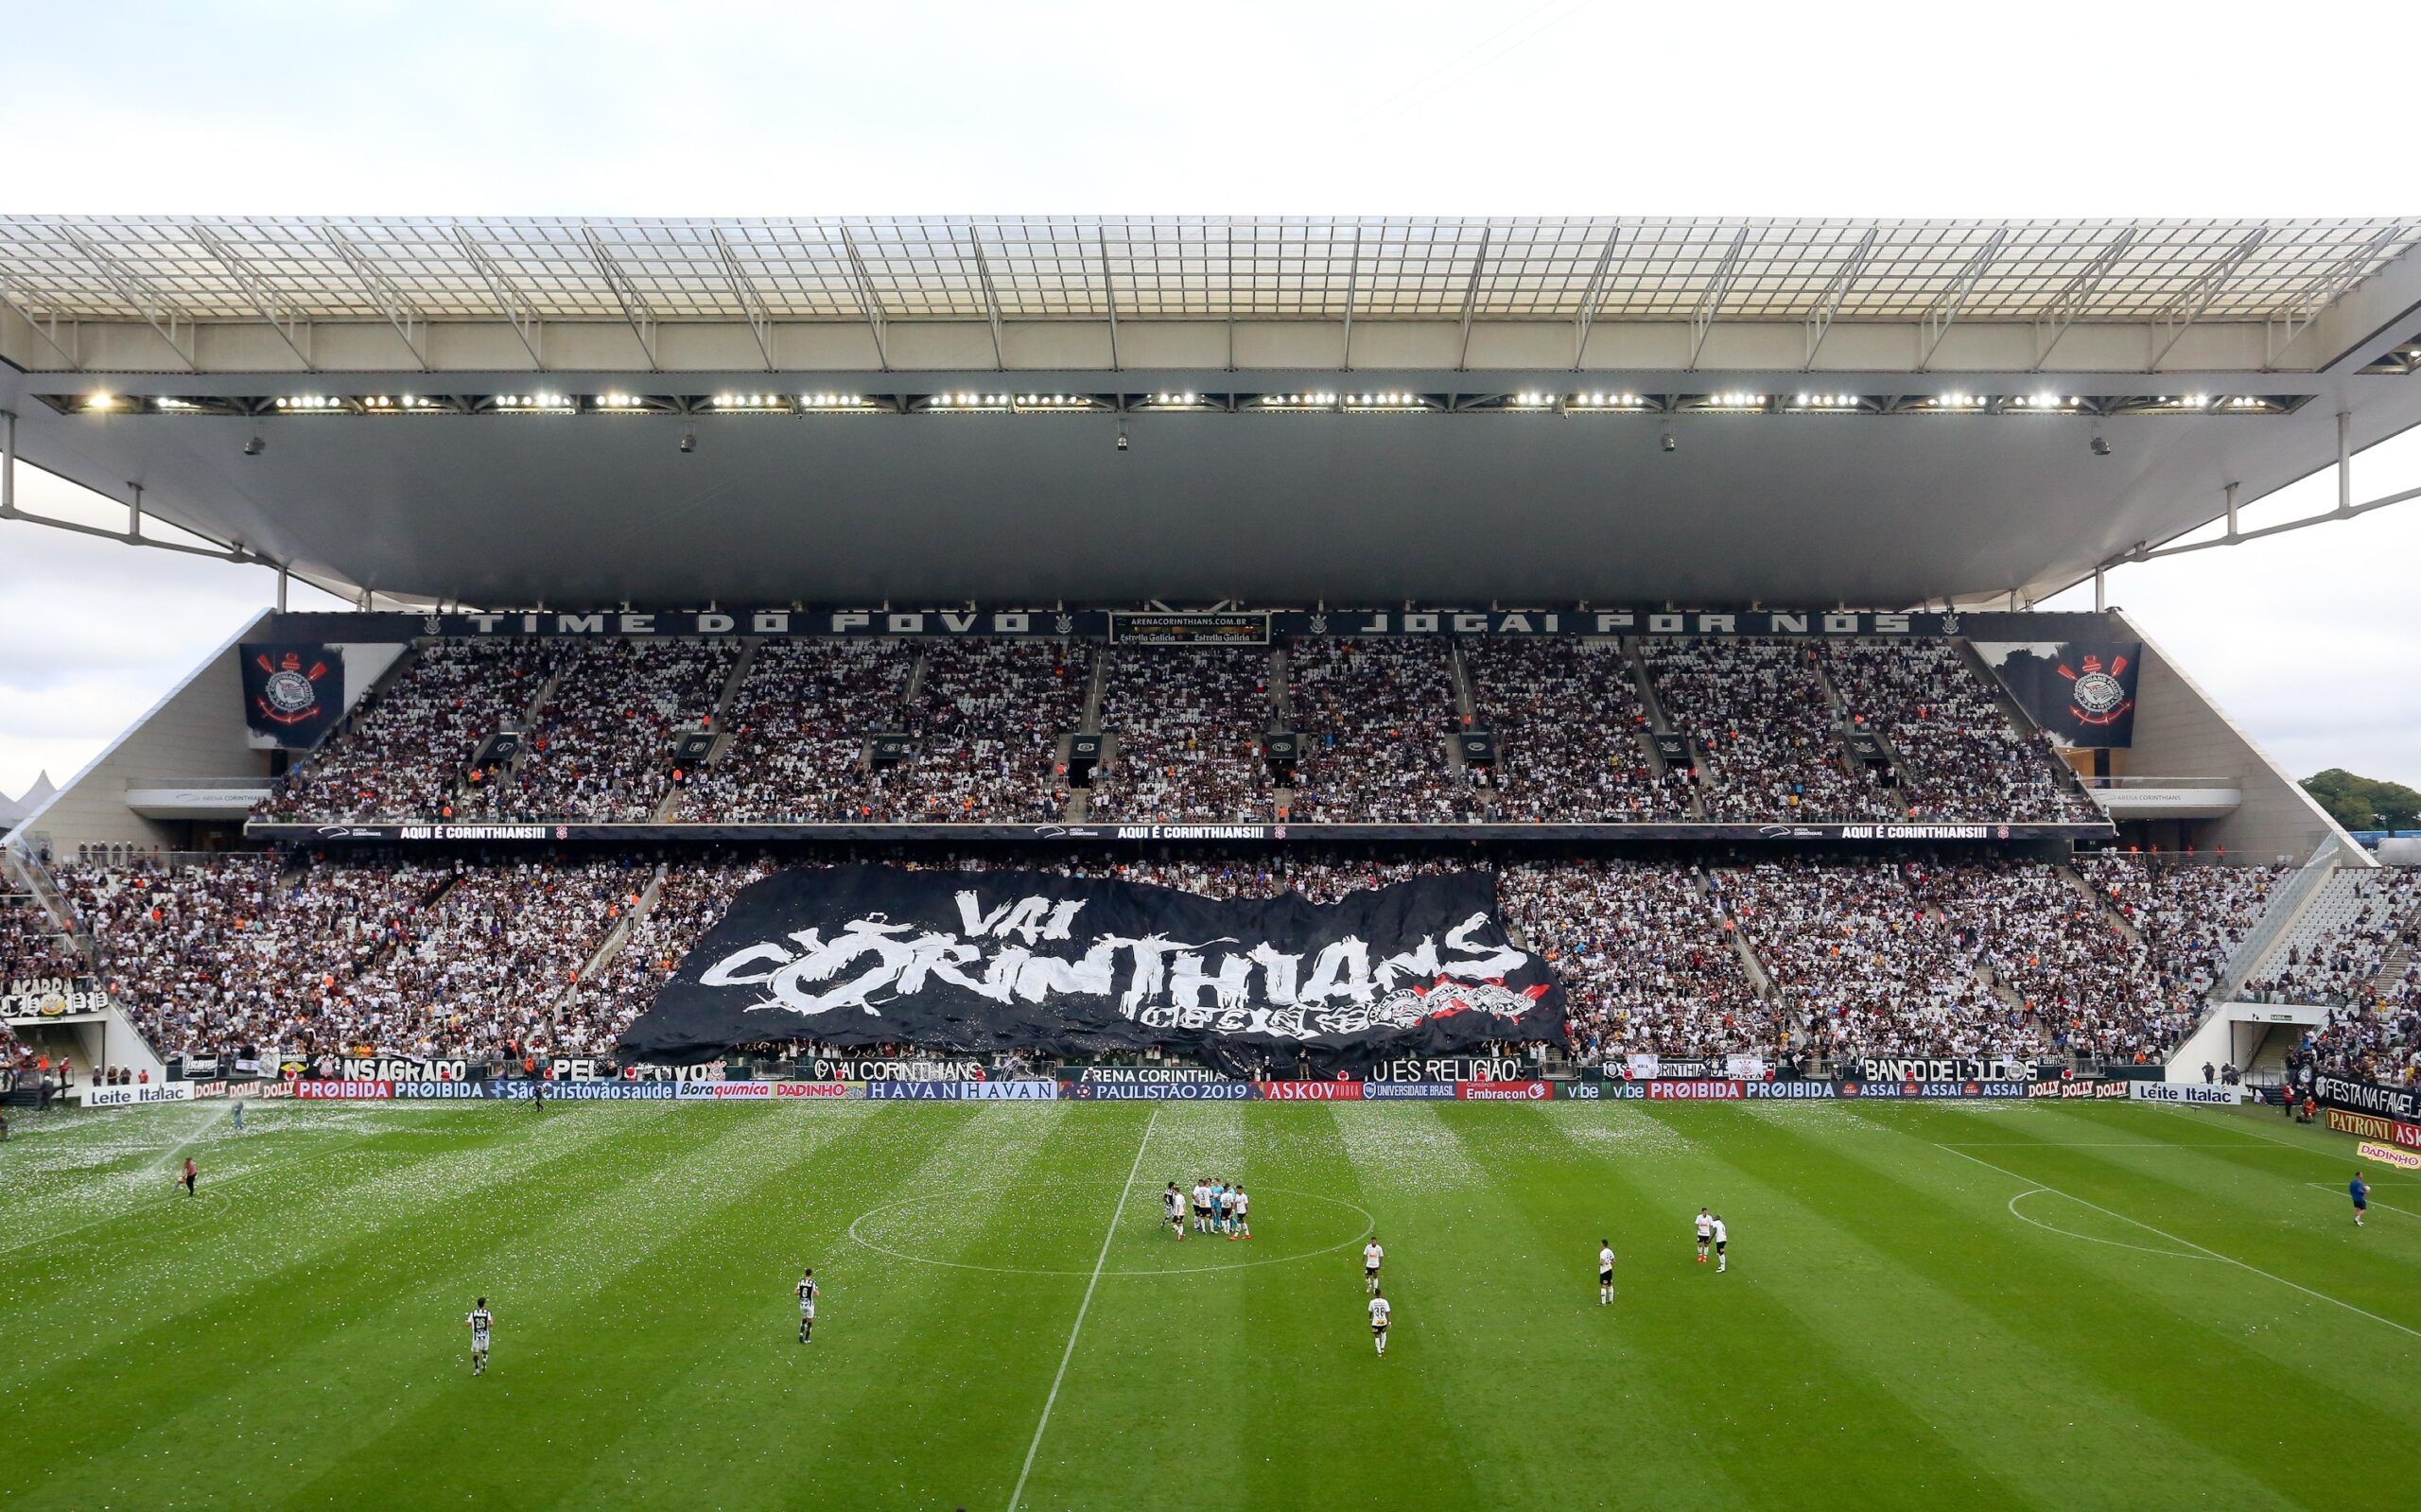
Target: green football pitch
pixel 1927 1305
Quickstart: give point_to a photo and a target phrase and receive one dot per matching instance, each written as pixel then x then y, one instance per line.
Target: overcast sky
pixel 1401 108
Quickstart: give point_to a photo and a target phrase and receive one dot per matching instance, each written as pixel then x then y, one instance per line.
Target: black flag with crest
pixel 979 962
pixel 293 692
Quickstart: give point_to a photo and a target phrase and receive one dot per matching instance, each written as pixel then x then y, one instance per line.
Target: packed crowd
pixel 1644 954
pixel 1766 733
pixel 1372 717
pixel 1955 754
pixel 1770 738
pixel 987 719
pixel 32 944
pixel 686 902
pixel 1800 959
pixel 798 727
pixel 404 750
pixel 1572 732
pixel 1188 725
pixel 1864 966
pixel 600 746
pixel 235 953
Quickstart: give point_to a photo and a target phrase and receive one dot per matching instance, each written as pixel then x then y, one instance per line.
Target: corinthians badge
pixel 292 695
pixel 2098 697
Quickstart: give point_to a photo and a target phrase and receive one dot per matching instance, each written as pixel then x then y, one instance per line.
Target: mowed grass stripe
pixel 966 1356
pixel 392 1376
pixel 1619 1389
pixel 1887 1274
pixel 2259 1210
pixel 286 1357
pixel 669 1306
pixel 287 1256
pixel 2157 1330
pixel 1764 1388
pixel 1151 1384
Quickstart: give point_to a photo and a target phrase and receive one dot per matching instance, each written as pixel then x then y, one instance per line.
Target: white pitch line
pixel 1082 1308
pixel 2178 1240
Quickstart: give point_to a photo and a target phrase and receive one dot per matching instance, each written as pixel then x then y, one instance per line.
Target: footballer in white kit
pixel 1605 1271
pixel 1379 1311
pixel 807 1294
pixel 1371 1256
pixel 1722 1237
pixel 1706 1233
pixel 1173 1208
pixel 481 1321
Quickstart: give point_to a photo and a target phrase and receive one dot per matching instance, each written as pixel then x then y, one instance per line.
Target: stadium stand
pixel 2332 954
pixel 1373 717
pixel 1805 961
pixel 798 729
pixel 1188 724
pixel 1956 754
pixel 987 718
pixel 1568 717
pixel 600 745
pixel 405 751
pixel 1644 955
pixel 1764 728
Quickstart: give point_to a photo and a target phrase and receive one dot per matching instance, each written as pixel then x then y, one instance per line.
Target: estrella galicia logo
pixel 289 694
pixel 2097 695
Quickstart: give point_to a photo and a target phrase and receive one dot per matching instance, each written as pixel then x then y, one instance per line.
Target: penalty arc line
pixel 1082 1308
pixel 2188 1242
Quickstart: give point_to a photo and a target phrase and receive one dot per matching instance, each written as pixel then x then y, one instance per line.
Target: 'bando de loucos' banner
pixel 968 963
pixel 2082 693
pixel 293 692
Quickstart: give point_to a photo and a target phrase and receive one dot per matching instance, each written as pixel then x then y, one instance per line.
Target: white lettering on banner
pixel 580 624
pixel 905 624
pixel 871 961
pixel 638 625
pixel 1795 624
pixel 770 624
pixel 714 624
pixel 1012 624
pixel 2190 1092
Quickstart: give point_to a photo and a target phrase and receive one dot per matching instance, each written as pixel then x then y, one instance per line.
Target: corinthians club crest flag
pixel 293 692
pixel 2083 694
pixel 976 961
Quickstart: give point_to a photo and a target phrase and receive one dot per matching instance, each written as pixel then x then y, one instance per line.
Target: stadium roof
pixel 1879 411
pixel 1183 267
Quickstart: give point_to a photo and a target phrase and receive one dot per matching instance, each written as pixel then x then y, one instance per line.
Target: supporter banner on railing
pixel 976 962
pixel 1083 835
pixel 39 997
pixel 293 690
pixel 2083 692
pixel 1180 628
pixel 2401 1103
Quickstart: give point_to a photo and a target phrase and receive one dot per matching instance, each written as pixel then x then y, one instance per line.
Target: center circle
pixel 867 1229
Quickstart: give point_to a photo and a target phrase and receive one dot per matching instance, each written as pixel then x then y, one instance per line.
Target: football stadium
pixel 1529 752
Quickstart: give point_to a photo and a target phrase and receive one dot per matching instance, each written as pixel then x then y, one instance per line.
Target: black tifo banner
pixel 972 963
pixel 292 690
pixel 2083 692
pixel 1226 627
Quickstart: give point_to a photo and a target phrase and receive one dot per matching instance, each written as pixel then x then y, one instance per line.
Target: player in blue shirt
pixel 2360 1192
